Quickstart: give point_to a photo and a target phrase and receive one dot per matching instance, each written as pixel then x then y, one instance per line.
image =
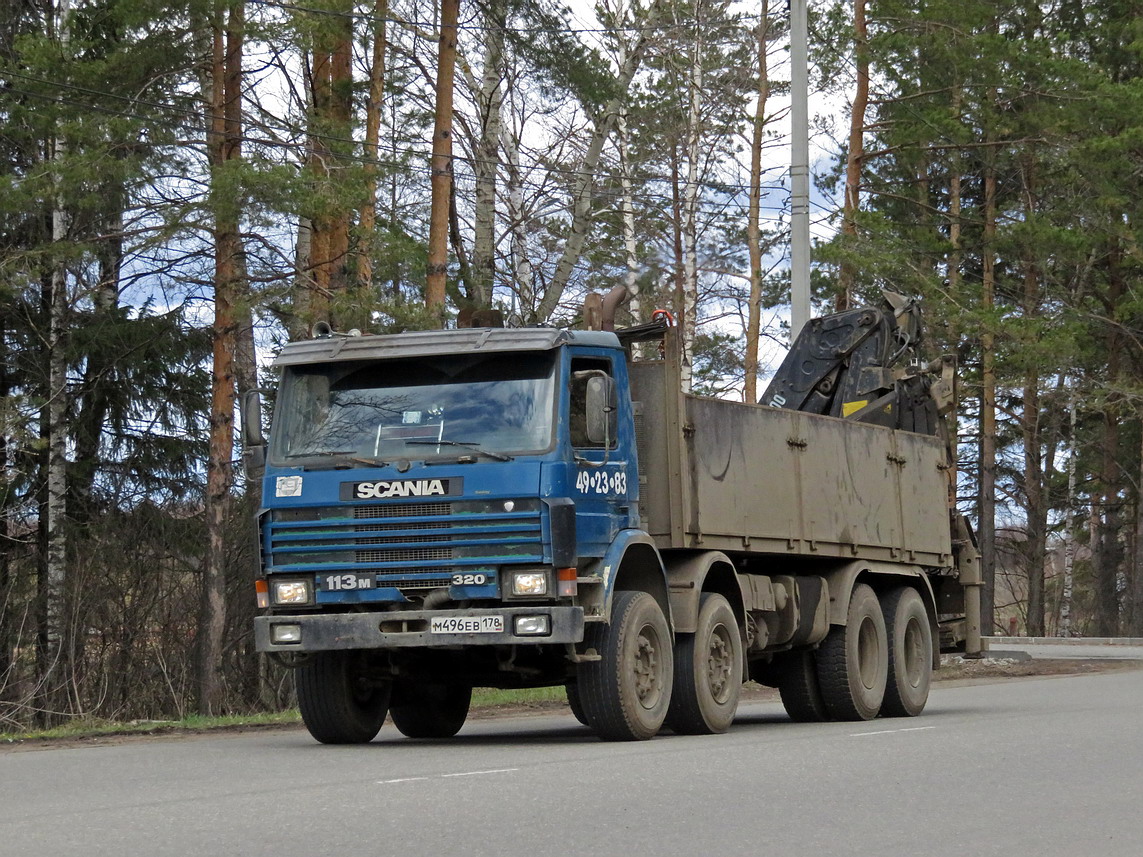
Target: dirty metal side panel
pixel 764 480
pixel 924 494
pixel 660 452
pixel 743 475
pixel 849 485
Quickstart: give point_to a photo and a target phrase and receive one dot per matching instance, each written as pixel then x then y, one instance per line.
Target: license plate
pixel 346 582
pixel 466 625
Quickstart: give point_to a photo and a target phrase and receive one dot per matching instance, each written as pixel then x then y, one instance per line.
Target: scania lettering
pixel 486 507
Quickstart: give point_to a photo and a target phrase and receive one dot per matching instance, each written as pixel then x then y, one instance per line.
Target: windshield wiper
pixel 330 453
pixel 498 456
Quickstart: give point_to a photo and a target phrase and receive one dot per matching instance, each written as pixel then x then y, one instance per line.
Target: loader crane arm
pixel 862 364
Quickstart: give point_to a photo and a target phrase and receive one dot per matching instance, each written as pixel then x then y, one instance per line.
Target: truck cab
pixel 444 489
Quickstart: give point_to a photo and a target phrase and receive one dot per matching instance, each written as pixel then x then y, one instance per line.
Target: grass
pixel 80 728
pixel 85 727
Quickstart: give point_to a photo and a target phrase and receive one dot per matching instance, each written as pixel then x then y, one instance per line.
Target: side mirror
pixel 252 419
pixel 596 390
pixel 253 439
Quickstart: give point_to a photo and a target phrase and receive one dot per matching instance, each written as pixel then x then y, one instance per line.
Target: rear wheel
pixel 910 653
pixel 798 687
pixel 429 709
pixel 708 671
pixel 339 704
pixel 626 693
pixel 853 661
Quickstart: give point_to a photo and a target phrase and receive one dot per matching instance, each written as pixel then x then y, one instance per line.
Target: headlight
pixel 291 591
pixel 529 583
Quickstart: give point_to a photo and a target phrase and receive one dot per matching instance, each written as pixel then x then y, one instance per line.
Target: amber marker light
pixel 567 582
pixel 262 593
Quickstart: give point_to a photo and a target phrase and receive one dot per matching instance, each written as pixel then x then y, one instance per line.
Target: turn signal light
pixel 262 593
pixel 566 579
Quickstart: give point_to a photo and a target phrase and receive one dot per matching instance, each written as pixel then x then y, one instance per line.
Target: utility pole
pixel 799 169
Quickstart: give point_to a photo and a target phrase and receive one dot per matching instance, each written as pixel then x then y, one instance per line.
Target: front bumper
pixel 407 628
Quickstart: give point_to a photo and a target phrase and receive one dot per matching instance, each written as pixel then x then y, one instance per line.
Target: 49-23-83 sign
pixel 393 489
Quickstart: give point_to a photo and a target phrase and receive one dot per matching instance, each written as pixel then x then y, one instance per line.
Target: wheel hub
pixel 648 669
pixel 718 665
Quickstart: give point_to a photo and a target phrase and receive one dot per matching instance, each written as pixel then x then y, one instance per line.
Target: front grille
pixel 405 555
pixel 394 540
pixel 407 545
pixel 402 510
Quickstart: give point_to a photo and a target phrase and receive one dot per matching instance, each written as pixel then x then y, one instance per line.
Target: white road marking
pixel 446 776
pixel 891 731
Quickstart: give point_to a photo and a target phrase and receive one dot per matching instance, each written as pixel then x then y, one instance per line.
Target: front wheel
pixel 853 661
pixel 910 653
pixel 574 702
pixel 708 671
pixel 339 704
pixel 429 709
pixel 626 693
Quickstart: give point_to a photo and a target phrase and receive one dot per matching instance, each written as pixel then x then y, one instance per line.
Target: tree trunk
pixel 1069 524
pixel 54 660
pixel 987 505
pixel 367 217
pixel 7 603
pixel 320 157
pixel 487 155
pixel 753 228
pixel 518 224
pixel 441 180
pixel 347 307
pixel 854 157
pixel 224 149
pixel 690 200
pixel 1034 489
pixel 677 236
pixel 1135 600
pixel 627 206
pixel 1106 555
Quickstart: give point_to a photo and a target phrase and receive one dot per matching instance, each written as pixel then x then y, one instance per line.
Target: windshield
pixel 501 403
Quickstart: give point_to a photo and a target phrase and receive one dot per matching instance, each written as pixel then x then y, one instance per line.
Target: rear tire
pixel 910 653
pixel 429 709
pixel 338 704
pixel 708 671
pixel 798 687
pixel 626 694
pixel 853 660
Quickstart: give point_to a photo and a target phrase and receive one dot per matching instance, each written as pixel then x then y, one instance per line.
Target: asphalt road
pixel 1040 767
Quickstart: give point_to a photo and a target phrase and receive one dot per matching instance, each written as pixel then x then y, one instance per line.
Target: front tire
pixel 910 653
pixel 708 671
pixel 574 702
pixel 429 709
pixel 626 693
pixel 853 660
pixel 339 705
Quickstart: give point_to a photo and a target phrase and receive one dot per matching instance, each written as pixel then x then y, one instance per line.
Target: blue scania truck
pixel 512 508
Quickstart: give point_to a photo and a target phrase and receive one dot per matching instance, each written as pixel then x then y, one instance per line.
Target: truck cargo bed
pixel 740 478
